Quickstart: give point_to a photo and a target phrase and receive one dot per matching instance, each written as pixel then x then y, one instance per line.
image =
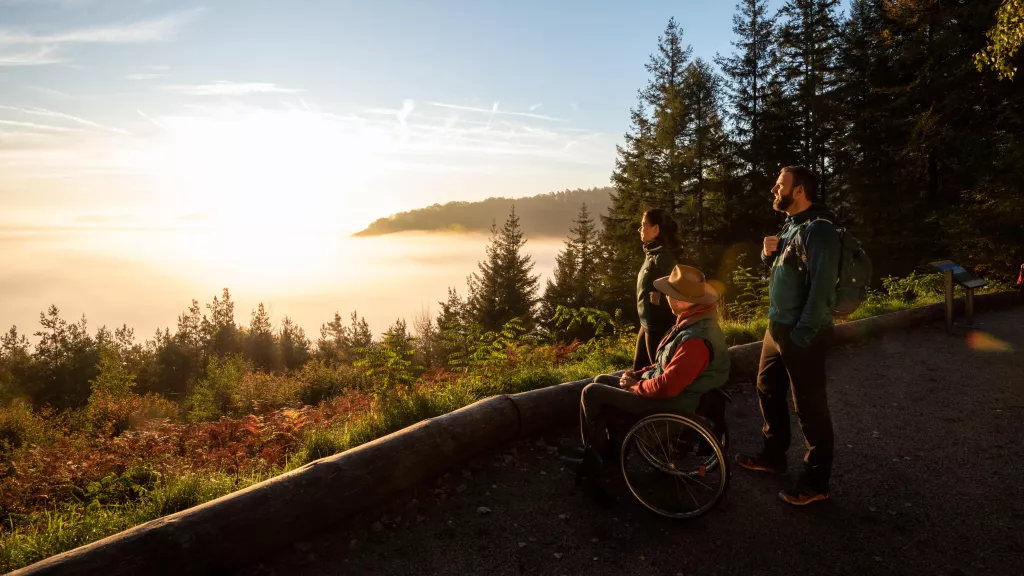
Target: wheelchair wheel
pixel 667 464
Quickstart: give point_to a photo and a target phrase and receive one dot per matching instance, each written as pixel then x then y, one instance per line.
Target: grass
pixel 68 526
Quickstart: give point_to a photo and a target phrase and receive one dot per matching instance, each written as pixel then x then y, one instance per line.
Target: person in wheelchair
pixel 691 360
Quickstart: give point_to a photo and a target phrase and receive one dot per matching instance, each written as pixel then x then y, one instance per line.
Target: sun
pixel 252 170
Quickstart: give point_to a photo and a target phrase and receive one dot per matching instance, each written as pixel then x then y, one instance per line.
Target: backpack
pixel 854 271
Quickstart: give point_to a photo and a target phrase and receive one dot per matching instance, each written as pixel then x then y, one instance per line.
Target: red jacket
pixel 688 361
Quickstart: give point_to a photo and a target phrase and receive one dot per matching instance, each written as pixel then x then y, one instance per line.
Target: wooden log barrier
pixel 230 531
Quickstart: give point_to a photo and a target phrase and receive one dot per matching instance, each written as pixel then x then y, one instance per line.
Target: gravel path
pixel 929 479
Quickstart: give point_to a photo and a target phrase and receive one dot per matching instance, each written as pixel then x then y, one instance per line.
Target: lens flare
pixel 985 342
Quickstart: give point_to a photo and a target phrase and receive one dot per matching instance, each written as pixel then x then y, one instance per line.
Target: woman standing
pixel 660 235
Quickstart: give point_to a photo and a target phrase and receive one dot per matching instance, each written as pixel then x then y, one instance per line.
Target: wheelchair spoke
pixel 688 491
pixel 692 479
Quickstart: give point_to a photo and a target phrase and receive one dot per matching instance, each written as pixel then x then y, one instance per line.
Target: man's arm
pixel 823 273
pixel 688 361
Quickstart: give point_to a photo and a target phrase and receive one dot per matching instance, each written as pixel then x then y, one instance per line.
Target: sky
pixel 235 114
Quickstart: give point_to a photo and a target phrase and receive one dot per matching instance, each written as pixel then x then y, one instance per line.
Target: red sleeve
pixel 688 361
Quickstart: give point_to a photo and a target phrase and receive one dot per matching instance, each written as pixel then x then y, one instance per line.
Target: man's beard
pixel 783 202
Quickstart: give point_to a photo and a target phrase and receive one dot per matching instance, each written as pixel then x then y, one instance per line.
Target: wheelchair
pixel 674 464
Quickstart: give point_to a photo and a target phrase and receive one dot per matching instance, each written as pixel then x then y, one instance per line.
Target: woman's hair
pixel 668 230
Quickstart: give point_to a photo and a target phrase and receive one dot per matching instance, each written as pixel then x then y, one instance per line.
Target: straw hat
pixel 688 284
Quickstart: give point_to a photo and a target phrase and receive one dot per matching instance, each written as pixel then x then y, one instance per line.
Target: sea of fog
pixel 145 278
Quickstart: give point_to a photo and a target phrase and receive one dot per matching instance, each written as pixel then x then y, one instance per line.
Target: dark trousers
pixel 603 400
pixel 647 341
pixel 784 366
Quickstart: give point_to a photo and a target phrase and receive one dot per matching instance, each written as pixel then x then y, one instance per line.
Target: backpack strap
pixel 803 233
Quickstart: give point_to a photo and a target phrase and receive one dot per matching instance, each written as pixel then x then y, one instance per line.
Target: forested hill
pixel 545 215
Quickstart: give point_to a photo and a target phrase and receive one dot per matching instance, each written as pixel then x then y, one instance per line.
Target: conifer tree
pixel 505 286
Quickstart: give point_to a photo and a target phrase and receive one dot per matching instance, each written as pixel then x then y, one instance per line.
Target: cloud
pixel 52 114
pixel 159 29
pixel 224 88
pixel 145 76
pixel 41 56
pixel 535 106
pixel 494 110
pixel 408 105
pixel 34 126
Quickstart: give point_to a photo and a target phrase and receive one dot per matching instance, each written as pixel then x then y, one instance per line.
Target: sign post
pixel 954 273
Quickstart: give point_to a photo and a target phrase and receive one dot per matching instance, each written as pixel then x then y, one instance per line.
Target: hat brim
pixel 710 294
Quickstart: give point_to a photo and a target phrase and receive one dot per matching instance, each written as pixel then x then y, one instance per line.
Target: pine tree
pixel 574 279
pixel 114 379
pixel 708 155
pixel 663 97
pixel 808 49
pixel 748 75
pixel 293 345
pixel 220 330
pixel 427 341
pixel 457 330
pixel 260 346
pixel 505 287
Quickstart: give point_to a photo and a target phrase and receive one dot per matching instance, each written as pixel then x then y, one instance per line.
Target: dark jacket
pixel 804 272
pixel 658 262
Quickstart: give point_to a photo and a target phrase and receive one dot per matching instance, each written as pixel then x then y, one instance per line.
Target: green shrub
pixel 214 396
pixel 19 426
pixel 319 382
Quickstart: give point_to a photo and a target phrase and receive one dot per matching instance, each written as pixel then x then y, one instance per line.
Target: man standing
pixel 804 261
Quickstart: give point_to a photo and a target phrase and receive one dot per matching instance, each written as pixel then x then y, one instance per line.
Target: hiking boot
pixel 589 466
pixel 801 495
pixel 573 452
pixel 761 463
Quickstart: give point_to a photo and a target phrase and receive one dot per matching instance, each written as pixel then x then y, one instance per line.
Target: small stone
pixel 420 518
pixel 483 510
pixel 558 555
pixel 311 557
pixel 461 488
pixel 522 544
pixel 907 504
pixel 563 516
pixel 543 473
pixel 302 546
pixel 872 508
pixel 495 486
pixel 892 512
pixel 878 558
pixel 467 474
pixel 849 445
pixel 376 526
pixel 595 558
pixel 509 459
pixel 594 540
pixel 353 544
pixel 487 493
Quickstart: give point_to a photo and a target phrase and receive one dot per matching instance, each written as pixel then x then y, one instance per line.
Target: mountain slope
pixel 544 215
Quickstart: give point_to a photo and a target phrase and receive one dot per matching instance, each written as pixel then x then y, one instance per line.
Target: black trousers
pixel 604 400
pixel 647 341
pixel 784 367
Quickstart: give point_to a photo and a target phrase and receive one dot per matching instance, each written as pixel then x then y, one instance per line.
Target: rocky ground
pixel 929 479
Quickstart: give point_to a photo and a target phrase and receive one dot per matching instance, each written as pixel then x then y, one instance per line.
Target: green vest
pixel 714 376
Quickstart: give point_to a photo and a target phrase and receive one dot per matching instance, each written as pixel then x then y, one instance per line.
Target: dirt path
pixel 929 479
